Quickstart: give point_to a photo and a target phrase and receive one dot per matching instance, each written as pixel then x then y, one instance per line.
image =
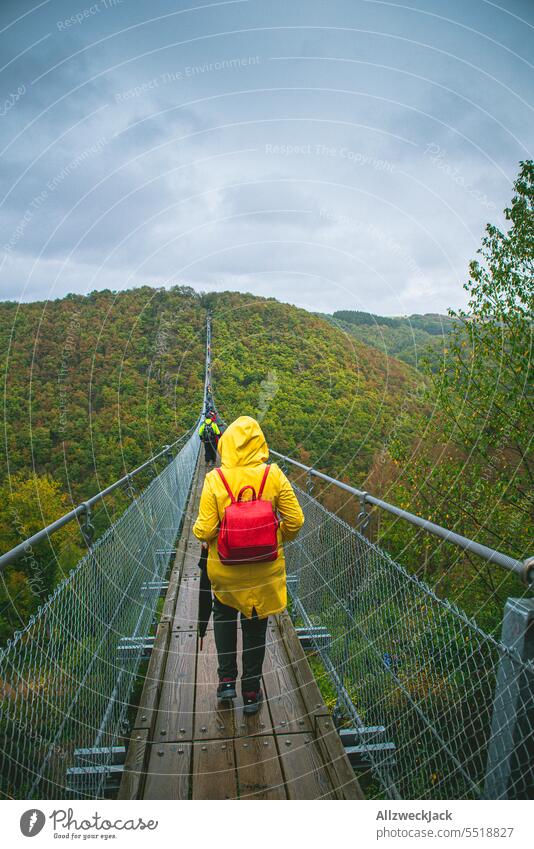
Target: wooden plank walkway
pixel 186 745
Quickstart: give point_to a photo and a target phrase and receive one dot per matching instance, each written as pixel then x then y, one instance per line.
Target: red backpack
pixel 248 528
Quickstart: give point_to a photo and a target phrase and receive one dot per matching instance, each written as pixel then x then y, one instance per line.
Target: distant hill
pixel 94 384
pixel 320 395
pixel 409 338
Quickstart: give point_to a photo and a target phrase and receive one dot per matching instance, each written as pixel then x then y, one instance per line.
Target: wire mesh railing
pixel 66 678
pixel 439 708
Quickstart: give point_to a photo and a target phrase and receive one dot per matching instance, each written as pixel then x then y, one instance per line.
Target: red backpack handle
pixel 242 490
pixel 248 486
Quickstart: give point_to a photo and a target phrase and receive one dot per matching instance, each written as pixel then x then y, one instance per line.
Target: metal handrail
pixel 525 569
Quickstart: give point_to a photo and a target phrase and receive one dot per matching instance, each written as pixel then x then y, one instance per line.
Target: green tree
pixel 27 504
pixel 471 466
pixel 486 387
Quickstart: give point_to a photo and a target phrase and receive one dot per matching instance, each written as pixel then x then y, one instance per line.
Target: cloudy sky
pixel 343 154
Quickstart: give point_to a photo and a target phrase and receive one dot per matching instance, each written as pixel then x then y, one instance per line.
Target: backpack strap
pixel 263 480
pixel 225 482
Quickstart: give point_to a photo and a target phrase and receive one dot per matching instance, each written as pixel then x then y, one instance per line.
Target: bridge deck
pixel 184 745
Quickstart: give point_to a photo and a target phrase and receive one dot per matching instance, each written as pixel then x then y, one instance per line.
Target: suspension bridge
pixel 416 700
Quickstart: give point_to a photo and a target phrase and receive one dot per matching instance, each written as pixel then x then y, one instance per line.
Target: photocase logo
pixel 32 822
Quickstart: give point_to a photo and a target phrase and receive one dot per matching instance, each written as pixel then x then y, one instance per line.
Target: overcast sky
pixel 343 154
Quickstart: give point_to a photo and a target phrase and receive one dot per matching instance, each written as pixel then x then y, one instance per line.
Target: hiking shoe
pixel 252 701
pixel 226 689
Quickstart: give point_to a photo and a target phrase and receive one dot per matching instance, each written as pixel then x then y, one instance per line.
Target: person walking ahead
pixel 256 590
pixel 209 433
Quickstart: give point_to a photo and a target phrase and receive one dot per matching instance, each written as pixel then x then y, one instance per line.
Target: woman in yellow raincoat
pixel 256 590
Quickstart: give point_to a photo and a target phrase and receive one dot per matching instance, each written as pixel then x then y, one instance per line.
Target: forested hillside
pixel 419 340
pixel 92 387
pixel 95 383
pixel 321 396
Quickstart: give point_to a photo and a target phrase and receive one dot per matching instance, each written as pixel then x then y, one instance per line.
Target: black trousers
pixel 210 452
pixel 254 632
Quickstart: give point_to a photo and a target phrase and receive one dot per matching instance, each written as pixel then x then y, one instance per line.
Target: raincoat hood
pixel 243 443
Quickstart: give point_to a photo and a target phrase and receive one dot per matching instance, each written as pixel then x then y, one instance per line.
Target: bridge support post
pixel 510 761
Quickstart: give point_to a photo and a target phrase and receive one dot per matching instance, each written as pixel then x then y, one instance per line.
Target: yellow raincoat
pixel 243 451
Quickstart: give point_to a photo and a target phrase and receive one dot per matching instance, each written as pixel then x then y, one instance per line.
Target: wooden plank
pixel 192 571
pixel 342 776
pixel 341 773
pixel 305 774
pixel 186 612
pixel 169 771
pixel 148 702
pixel 287 708
pixel 192 553
pixel 172 590
pixel 192 556
pixel 134 767
pixel 176 703
pixel 182 548
pixel 213 719
pixel 309 691
pixel 259 775
pixel 214 774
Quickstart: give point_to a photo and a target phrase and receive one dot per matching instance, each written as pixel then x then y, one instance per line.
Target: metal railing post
pixel 364 519
pixel 510 762
pixel 87 527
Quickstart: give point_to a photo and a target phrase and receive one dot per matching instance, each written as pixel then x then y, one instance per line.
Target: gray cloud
pixel 225 163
